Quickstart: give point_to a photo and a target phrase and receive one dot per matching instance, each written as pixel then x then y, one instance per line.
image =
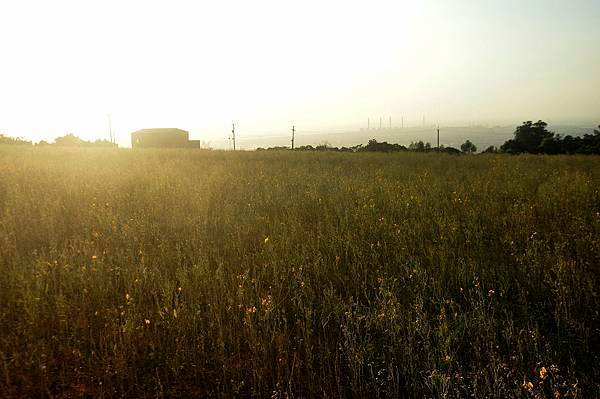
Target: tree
pixel 590 143
pixel 570 144
pixel 529 137
pixel 467 147
pixel 550 145
pixel 536 139
pixel 490 150
pixel 375 146
pixel 418 146
pixel 68 140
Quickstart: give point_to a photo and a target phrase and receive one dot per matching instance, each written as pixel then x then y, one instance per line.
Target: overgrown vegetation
pixel 187 273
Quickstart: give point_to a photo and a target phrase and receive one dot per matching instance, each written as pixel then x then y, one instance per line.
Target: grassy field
pixel 198 273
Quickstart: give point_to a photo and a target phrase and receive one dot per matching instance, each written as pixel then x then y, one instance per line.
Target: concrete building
pixel 163 138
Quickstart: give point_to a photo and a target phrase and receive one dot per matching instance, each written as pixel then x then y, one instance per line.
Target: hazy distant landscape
pixel 482 136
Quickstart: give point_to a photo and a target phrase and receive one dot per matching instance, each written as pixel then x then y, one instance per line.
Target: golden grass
pixel 188 273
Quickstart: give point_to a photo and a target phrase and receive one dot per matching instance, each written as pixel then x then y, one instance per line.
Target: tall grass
pixel 190 273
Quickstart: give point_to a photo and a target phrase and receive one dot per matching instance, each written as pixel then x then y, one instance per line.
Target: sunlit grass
pixel 312 274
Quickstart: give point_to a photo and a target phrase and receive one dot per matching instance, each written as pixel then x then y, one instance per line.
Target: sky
pixel 197 65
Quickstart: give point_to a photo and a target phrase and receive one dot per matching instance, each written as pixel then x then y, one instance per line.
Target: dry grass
pixel 187 273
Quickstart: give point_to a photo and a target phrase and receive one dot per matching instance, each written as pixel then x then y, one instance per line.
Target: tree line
pixel 13 140
pixel 372 146
pixel 68 140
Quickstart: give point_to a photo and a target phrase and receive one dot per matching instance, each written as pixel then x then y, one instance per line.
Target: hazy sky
pixel 320 64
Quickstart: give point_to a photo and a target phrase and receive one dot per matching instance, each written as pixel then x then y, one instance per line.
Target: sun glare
pixel 268 64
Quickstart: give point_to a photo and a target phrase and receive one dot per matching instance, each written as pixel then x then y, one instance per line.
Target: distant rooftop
pixel 160 130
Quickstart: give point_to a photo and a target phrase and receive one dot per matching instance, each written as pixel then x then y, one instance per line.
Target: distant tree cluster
pixel 535 138
pixel 13 140
pixel 68 140
pixel 320 147
pixel 419 146
pixel 375 146
pixel 372 146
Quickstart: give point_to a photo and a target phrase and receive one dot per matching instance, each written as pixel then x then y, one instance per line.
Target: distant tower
pixel 293 134
pixel 438 136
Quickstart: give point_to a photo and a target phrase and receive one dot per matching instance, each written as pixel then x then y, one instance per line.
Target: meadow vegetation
pixel 297 274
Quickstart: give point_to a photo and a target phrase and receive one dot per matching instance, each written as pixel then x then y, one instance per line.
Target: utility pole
pixel 110 132
pixel 438 137
pixel 293 134
pixel 233 134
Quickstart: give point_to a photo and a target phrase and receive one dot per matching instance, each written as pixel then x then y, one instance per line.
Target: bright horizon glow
pixel 269 64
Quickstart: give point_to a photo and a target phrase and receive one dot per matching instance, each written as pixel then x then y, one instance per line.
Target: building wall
pixel 161 138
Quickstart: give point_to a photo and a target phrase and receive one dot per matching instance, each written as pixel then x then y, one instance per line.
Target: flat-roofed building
pixel 163 138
